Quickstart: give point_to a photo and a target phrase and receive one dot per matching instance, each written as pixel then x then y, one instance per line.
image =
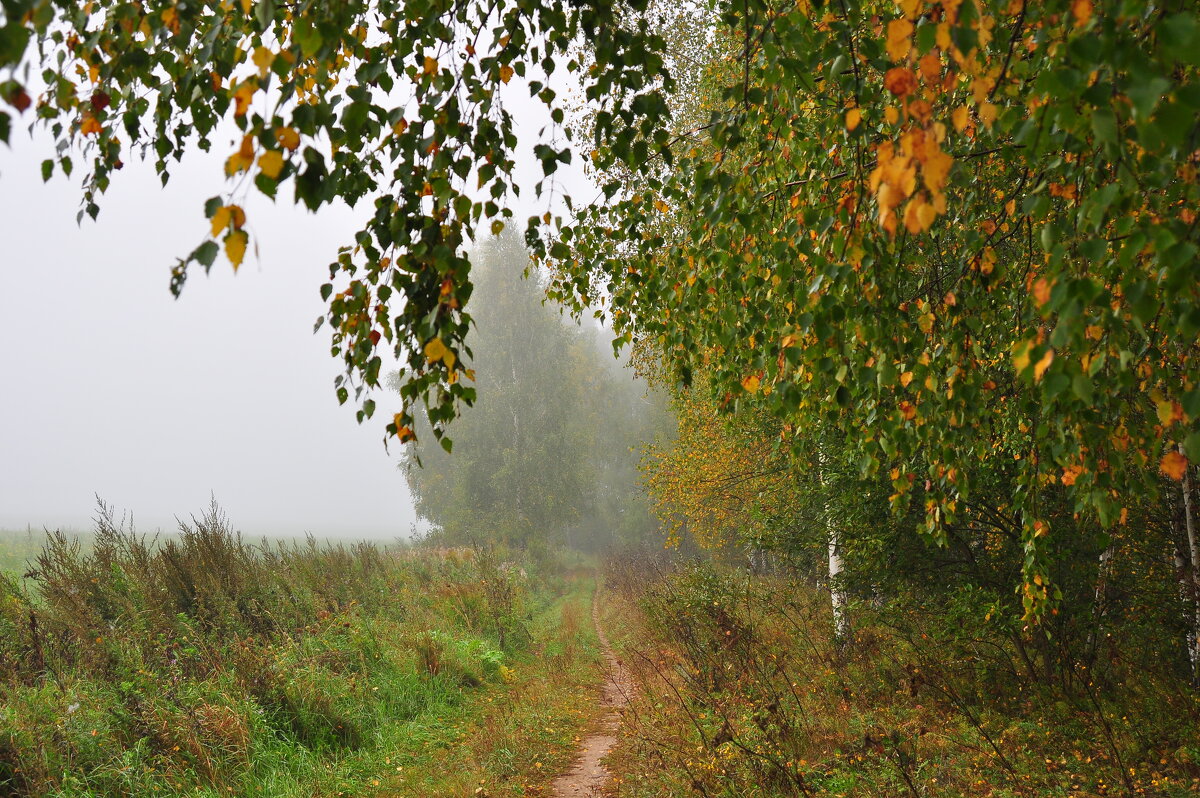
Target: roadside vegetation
pixel 745 691
pixel 208 666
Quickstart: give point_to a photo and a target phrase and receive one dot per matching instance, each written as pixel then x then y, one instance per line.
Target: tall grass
pixel 201 664
pixel 745 692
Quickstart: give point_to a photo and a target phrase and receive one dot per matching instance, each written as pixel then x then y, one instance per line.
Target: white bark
pixel 837 594
pixel 1098 602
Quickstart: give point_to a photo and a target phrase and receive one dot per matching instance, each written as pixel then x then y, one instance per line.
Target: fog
pixel 110 387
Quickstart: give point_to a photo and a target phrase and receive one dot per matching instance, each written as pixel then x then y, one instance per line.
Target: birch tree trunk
pixel 1098 602
pixel 837 594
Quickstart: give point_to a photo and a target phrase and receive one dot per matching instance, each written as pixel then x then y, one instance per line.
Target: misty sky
pixel 110 386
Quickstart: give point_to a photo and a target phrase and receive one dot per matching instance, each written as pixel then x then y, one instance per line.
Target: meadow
pixel 205 665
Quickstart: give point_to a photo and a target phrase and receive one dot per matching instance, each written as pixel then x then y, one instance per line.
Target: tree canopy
pixel 953 232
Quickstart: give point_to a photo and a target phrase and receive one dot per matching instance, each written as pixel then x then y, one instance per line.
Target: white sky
pixel 110 386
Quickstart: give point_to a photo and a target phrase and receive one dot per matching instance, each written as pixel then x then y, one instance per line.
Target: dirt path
pixel 587 777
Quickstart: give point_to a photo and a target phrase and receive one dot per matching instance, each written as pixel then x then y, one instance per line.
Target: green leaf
pixel 1104 125
pixel 1145 93
pixel 206 253
pixel 1191 447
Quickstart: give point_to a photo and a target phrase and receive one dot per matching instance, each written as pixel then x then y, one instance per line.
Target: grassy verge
pixel 208 667
pixel 744 693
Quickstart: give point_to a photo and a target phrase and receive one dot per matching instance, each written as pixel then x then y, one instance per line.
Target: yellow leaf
pixel 1169 411
pixel 751 383
pixel 1040 367
pixel 449 358
pixel 1021 355
pixel 288 138
pixel 899 39
pixel 271 162
pixel 788 341
pixel 247 5
pixel 906 378
pixel 235 247
pixel 435 350
pixel 1174 465
pixel 220 220
pixel 90 125
pixel 431 65
pixel 853 117
pixel 891 114
pixel 910 8
pixel 936 170
pixel 918 215
pixel 506 73
pixel 942 36
pixel 987 113
pixel 241 160
pixel 960 117
pixel 263 57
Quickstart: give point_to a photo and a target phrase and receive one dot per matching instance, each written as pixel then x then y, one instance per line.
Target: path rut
pixel 587 778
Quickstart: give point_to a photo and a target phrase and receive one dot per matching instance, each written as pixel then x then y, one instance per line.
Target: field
pixel 207 666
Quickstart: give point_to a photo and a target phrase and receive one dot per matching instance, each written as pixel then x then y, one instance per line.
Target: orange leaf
pixel 751 383
pixel 900 81
pixel 506 73
pixel 853 117
pixel 288 138
pixel 1082 11
pixel 90 125
pixel 242 96
pixel 1174 465
pixel 1041 291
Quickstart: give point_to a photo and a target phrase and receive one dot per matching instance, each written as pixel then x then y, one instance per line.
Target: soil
pixel 588 778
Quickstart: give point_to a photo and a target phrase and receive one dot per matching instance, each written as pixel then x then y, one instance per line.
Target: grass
pixel 18 549
pixel 208 667
pixel 744 693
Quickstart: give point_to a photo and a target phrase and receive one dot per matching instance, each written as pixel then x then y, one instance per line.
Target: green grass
pixel 18 549
pixel 208 667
